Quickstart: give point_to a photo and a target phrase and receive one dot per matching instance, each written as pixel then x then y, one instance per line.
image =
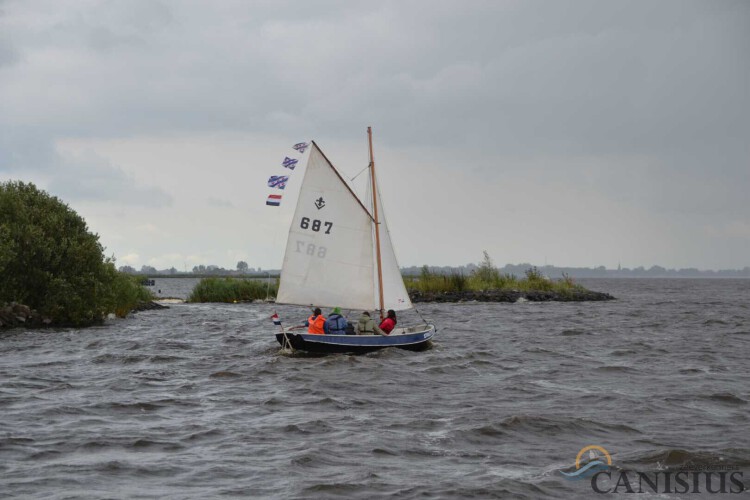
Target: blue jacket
pixel 336 325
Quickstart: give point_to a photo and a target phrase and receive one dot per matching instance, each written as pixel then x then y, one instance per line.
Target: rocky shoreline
pixel 14 315
pixel 510 296
pixel 17 315
pixel 147 306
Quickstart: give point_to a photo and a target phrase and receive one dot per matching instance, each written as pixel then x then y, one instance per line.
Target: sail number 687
pixel 315 224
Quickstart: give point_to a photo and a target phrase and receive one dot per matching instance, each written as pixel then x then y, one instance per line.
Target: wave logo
pixel 599 460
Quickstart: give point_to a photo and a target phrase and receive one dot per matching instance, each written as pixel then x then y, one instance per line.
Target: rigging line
pixel 420 315
pixel 360 172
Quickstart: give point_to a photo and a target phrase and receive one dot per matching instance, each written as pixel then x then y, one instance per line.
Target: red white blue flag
pixel 276 319
pixel 274 200
pixel 278 181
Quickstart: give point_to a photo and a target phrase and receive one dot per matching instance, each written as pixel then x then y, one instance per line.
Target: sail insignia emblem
pixel 320 203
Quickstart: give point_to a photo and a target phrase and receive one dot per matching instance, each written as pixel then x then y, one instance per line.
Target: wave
pixel 678 457
pixel 320 457
pixel 143 444
pixel 203 435
pixel 623 352
pixel 693 370
pixel 64 386
pixel 224 374
pixel 573 331
pixel 615 369
pixel 119 359
pixel 44 455
pixel 535 425
pixel 129 407
pixel 727 398
pixel 383 451
pixel 165 359
pixel 710 322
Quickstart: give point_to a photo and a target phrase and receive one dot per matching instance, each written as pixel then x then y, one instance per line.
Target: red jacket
pixel 387 325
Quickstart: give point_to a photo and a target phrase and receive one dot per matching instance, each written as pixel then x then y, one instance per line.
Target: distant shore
pixel 510 296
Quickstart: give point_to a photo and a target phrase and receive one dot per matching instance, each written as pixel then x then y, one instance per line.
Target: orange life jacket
pixel 316 324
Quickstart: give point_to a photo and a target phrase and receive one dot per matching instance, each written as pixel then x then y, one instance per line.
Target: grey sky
pixel 580 132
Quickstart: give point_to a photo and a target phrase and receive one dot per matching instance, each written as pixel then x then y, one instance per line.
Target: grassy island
pixel 488 278
pixel 487 284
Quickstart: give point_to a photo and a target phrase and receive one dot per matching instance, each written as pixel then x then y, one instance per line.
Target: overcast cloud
pixel 574 133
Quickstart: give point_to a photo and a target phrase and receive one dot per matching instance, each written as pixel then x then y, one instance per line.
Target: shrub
pixel 50 261
pixel 231 290
pixel 487 273
pixel 127 293
pixel 535 280
pixel 429 282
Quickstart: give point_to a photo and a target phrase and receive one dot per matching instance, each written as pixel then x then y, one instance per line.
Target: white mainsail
pixel 329 254
pixel 330 257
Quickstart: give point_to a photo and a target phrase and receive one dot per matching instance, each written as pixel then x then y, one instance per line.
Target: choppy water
pixel 196 401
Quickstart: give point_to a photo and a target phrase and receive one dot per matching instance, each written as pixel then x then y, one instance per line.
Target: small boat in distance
pixel 339 253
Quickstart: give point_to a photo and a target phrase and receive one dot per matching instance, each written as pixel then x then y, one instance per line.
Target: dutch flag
pixel 274 200
pixel 276 320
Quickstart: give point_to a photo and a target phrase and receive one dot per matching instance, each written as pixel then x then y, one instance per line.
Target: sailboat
pixel 339 253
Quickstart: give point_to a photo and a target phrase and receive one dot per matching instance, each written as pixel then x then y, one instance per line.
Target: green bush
pixel 127 293
pixel 487 273
pixel 231 290
pixel 50 261
pixel 430 282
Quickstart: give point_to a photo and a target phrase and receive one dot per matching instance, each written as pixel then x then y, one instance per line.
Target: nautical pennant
pixel 278 181
pixel 274 200
pixel 301 146
pixel 289 163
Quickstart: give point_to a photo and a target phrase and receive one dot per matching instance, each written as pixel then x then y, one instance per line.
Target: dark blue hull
pixel 412 339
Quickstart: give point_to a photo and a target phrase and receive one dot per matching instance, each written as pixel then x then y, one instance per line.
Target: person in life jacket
pixel 389 323
pixel 317 323
pixel 366 326
pixel 336 323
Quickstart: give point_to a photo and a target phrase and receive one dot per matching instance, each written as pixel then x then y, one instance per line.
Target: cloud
pixel 92 178
pixel 148 228
pixel 8 53
pixel 609 81
pixel 643 104
pixel 130 259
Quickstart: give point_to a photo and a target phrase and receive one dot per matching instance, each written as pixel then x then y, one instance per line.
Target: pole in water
pixel 287 343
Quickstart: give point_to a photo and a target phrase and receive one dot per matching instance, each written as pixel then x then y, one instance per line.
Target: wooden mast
pixel 377 223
